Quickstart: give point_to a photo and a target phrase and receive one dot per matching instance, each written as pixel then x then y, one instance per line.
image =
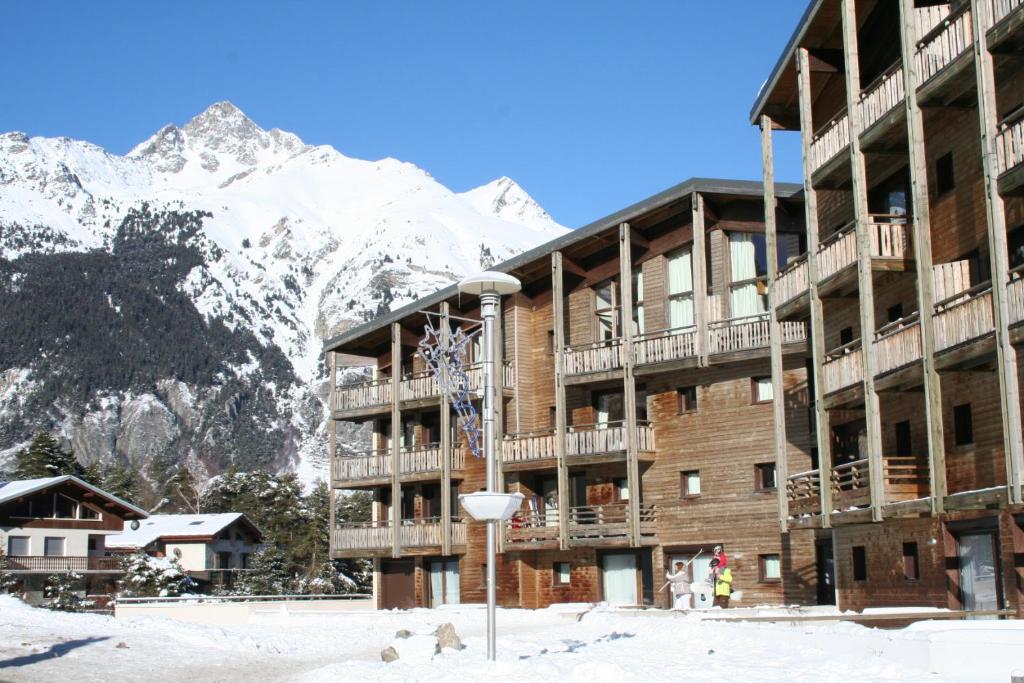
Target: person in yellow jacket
pixel 723 584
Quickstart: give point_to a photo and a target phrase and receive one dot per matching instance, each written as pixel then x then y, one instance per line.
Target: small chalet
pixel 212 548
pixel 56 525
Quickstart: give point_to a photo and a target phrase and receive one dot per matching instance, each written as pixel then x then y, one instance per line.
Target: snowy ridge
pixel 303 241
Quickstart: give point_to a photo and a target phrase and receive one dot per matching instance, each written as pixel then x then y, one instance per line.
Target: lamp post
pixel 490 505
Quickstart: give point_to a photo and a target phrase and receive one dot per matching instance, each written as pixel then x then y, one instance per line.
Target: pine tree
pixel 123 482
pixel 45 458
pixel 181 493
pixel 93 474
pixel 61 595
pixel 269 574
pixel 145 576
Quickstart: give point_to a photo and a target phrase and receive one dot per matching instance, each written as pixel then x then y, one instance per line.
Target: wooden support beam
pixel 821 420
pixel 333 358
pixel 409 338
pixel 825 60
pixel 396 440
pixel 865 280
pixel 558 311
pixel 448 447
pixel 637 238
pixel 698 270
pixel 570 266
pixel 1006 354
pixel 629 381
pixel 922 244
pixel 775 329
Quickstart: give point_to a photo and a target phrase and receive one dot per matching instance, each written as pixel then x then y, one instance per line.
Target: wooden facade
pixel 638 416
pixel 909 113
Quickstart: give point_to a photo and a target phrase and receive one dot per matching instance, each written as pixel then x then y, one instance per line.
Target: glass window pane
pixel 65 507
pixel 563 573
pixel 53 547
pixel 772 568
pixel 680 311
pixel 680 273
pixel 604 296
pixel 18 546
pixel 764 389
pixel 693 483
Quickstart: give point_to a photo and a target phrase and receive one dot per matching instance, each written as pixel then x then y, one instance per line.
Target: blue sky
pixel 589 105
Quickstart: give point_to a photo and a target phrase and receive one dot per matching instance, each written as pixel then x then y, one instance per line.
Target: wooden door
pixel 398 584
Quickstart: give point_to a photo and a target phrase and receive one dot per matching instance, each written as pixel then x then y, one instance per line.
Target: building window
pixel 687 399
pixel 769 568
pixel 606 308
pixel 680 289
pixel 748 267
pixel 608 408
pixel 86 512
pixel 53 546
pixel 860 563
pixel 761 389
pixel 945 179
pixel 92 544
pixel 895 313
pixel 689 483
pixel 638 303
pixel 910 568
pixel 845 336
pixel 904 443
pixel 243 561
pixel 622 489
pixel 561 574
pixel 19 546
pixel 764 476
pixel 551 342
pixel 483 576
pixel 963 426
pixel 552 417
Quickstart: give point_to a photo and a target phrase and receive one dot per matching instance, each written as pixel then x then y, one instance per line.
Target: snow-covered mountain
pixel 295 242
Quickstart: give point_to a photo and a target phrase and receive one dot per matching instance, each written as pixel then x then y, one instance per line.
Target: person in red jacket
pixel 723 560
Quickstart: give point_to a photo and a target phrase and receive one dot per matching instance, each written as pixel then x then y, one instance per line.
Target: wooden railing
pixel 851 485
pixel 881 97
pixel 606 437
pixel 532 526
pixel 361 536
pixel 963 318
pixel 371 465
pixel 528 446
pixel 950 279
pixel 802 491
pixel 953 36
pixel 59 564
pixel 890 237
pixel 608 522
pixel 791 282
pixel 362 395
pixel 597 357
pixel 831 139
pixel 1000 9
pixel 837 252
pixel 418 533
pixel 738 334
pixel 1010 142
pixel 843 367
pixel 422 458
pixel 1015 295
pixel 665 345
pixel 903 478
pixel 417 385
pixel 898 344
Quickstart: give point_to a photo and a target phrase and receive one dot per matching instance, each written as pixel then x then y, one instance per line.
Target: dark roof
pixel 706 186
pixel 785 59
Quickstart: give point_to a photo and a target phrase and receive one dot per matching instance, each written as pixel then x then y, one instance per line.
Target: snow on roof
pixel 15 489
pixel 158 526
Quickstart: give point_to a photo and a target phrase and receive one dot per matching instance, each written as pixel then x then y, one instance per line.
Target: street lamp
pixel 490 505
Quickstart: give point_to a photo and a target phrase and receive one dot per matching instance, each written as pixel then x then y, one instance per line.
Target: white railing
pixel 953 36
pixel 598 357
pixel 889 239
pixel 361 536
pixel 898 344
pixel 926 19
pixel 843 367
pixel 665 345
pixel 458 532
pixel 606 437
pixel 837 252
pixel 1015 295
pixel 1000 9
pixel 1010 143
pixel 528 446
pixel 791 282
pixel 59 563
pixel 362 395
pixel 964 318
pixel 833 138
pixel 802 492
pixel 738 334
pixel 372 465
pixel 883 96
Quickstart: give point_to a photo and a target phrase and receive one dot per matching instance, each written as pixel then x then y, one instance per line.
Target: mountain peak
pixel 506 199
pixel 222 120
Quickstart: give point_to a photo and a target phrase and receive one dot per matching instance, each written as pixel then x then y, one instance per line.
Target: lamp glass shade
pixel 489 281
pixel 485 506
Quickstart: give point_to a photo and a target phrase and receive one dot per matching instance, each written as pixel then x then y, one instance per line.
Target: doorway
pixel 977 559
pixel 397 584
pixel 443 580
pixel 825 570
pixel 618 578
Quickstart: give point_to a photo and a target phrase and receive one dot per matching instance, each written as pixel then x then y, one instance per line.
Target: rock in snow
pixel 302 243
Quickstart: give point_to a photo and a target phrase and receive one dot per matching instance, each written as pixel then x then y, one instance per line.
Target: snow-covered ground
pixel 604 645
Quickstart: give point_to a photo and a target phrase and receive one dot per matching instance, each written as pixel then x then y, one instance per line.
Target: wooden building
pixel 640 395
pixel 911 117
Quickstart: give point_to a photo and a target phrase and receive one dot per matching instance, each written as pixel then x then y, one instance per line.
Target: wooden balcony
pixel 596 442
pixel 883 96
pixel 522 450
pixel 828 142
pixel 963 319
pixel 48 564
pixel 594 358
pixel 366 467
pixel 1015 296
pixel 367 539
pixel 843 368
pixel 898 345
pixel 665 346
pixel 589 526
pixel 802 492
pixel 790 289
pixel 903 477
pixel 837 256
pixel 750 333
pixel 948 42
pixel 374 467
pixel 1004 35
pixel 352 399
pixel 1010 154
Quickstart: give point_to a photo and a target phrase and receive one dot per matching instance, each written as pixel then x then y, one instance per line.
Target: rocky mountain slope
pixel 167 307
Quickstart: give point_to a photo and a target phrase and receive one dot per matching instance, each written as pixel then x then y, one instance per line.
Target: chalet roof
pixel 177 526
pixel 13 490
pixel 784 67
pixel 706 186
